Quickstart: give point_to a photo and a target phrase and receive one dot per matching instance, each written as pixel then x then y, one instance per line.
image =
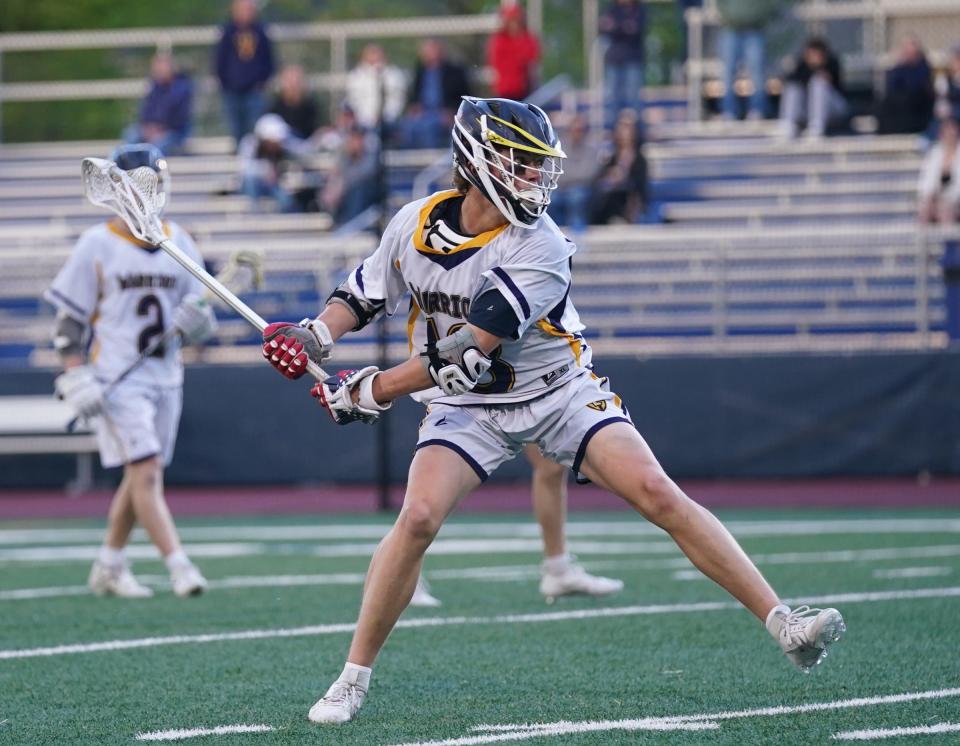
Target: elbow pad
pixel 68 334
pixel 364 309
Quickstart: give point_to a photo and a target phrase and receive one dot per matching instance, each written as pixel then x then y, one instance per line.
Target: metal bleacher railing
pixel 336 34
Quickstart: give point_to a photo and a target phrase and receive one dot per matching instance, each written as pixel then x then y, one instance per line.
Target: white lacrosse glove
pixel 454 379
pixel 336 396
pixel 79 388
pixel 195 319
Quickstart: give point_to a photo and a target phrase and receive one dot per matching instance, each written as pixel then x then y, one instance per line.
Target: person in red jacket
pixel 512 53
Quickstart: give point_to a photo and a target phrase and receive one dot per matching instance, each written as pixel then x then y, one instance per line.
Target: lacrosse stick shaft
pixel 224 294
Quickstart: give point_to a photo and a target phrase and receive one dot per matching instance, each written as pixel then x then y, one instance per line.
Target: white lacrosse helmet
pixel 139 155
pixel 510 152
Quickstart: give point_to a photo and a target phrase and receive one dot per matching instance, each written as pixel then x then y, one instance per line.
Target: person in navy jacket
pixel 243 63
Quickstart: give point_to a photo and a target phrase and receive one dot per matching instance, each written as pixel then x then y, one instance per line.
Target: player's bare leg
pixel 146 488
pixel 548 488
pixel 561 574
pixel 110 574
pixel 438 479
pixel 120 518
pixel 621 458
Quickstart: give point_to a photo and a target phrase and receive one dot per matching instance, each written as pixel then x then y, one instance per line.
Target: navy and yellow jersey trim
pixel 126 236
pixel 574 340
pixel 458 254
pixel 411 322
pixel 64 303
pixel 517 293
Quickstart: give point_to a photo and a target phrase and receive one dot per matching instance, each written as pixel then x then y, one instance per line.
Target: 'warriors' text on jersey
pixel 126 292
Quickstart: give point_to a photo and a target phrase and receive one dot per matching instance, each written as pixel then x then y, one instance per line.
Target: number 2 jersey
pixel 512 282
pixel 126 292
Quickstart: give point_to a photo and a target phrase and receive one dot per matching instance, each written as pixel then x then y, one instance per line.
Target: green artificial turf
pixel 438 683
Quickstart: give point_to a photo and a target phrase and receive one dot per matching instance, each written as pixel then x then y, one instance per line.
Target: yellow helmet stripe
pixel 541 149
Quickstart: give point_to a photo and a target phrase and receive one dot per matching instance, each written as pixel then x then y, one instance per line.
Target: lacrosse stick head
pixel 136 195
pixel 243 272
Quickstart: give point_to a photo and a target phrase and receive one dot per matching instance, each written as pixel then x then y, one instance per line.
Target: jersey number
pixel 150 307
pixel 502 375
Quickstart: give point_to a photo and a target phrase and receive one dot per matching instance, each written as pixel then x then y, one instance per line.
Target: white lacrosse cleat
pixel 573 579
pixel 339 705
pixel 422 596
pixel 805 634
pixel 116 580
pixel 186 580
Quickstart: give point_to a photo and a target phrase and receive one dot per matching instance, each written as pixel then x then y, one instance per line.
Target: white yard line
pixel 26 594
pixel 878 733
pixel 178 734
pixel 913 572
pixel 629 526
pixel 134 551
pixel 520 573
pixel 523 732
pixel 440 621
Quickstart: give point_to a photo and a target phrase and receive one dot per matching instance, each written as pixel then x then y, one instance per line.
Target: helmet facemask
pixel 516 177
pixel 139 161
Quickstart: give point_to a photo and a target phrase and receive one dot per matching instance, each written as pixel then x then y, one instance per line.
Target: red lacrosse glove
pixel 288 346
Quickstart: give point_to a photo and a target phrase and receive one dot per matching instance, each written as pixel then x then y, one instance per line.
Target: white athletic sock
pixel 357 675
pixel 112 557
pixel 176 559
pixel 557 564
pixel 773 621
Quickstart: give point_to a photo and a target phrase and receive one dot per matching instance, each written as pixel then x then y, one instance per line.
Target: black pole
pixel 383 431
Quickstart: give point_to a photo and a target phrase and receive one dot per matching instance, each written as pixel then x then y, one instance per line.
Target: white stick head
pixel 133 195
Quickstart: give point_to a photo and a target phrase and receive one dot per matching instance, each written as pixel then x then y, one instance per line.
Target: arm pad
pixel 68 335
pixel 364 309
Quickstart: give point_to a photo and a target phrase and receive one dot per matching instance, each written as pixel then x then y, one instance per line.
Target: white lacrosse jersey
pixel 126 292
pixel 525 273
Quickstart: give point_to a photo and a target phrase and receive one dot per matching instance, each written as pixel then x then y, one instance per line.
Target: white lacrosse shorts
pixel 561 423
pixel 139 421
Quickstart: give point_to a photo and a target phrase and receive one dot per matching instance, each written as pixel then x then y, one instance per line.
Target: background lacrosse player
pixel 496 329
pixel 114 297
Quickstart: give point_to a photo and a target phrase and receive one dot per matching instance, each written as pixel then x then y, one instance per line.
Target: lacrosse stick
pixel 135 197
pixel 244 271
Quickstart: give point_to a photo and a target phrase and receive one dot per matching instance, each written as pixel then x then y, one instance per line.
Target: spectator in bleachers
pixel 294 103
pixel 908 100
pixel 743 39
pixel 165 113
pixel 266 155
pixel 352 186
pixel 620 188
pixel 947 91
pixel 438 86
pixel 623 24
pixel 375 88
pixel 513 53
pixel 243 63
pixel 813 93
pixel 570 203
pixel 939 186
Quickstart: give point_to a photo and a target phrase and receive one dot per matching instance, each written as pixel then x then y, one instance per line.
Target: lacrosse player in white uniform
pixel 114 297
pixel 495 329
